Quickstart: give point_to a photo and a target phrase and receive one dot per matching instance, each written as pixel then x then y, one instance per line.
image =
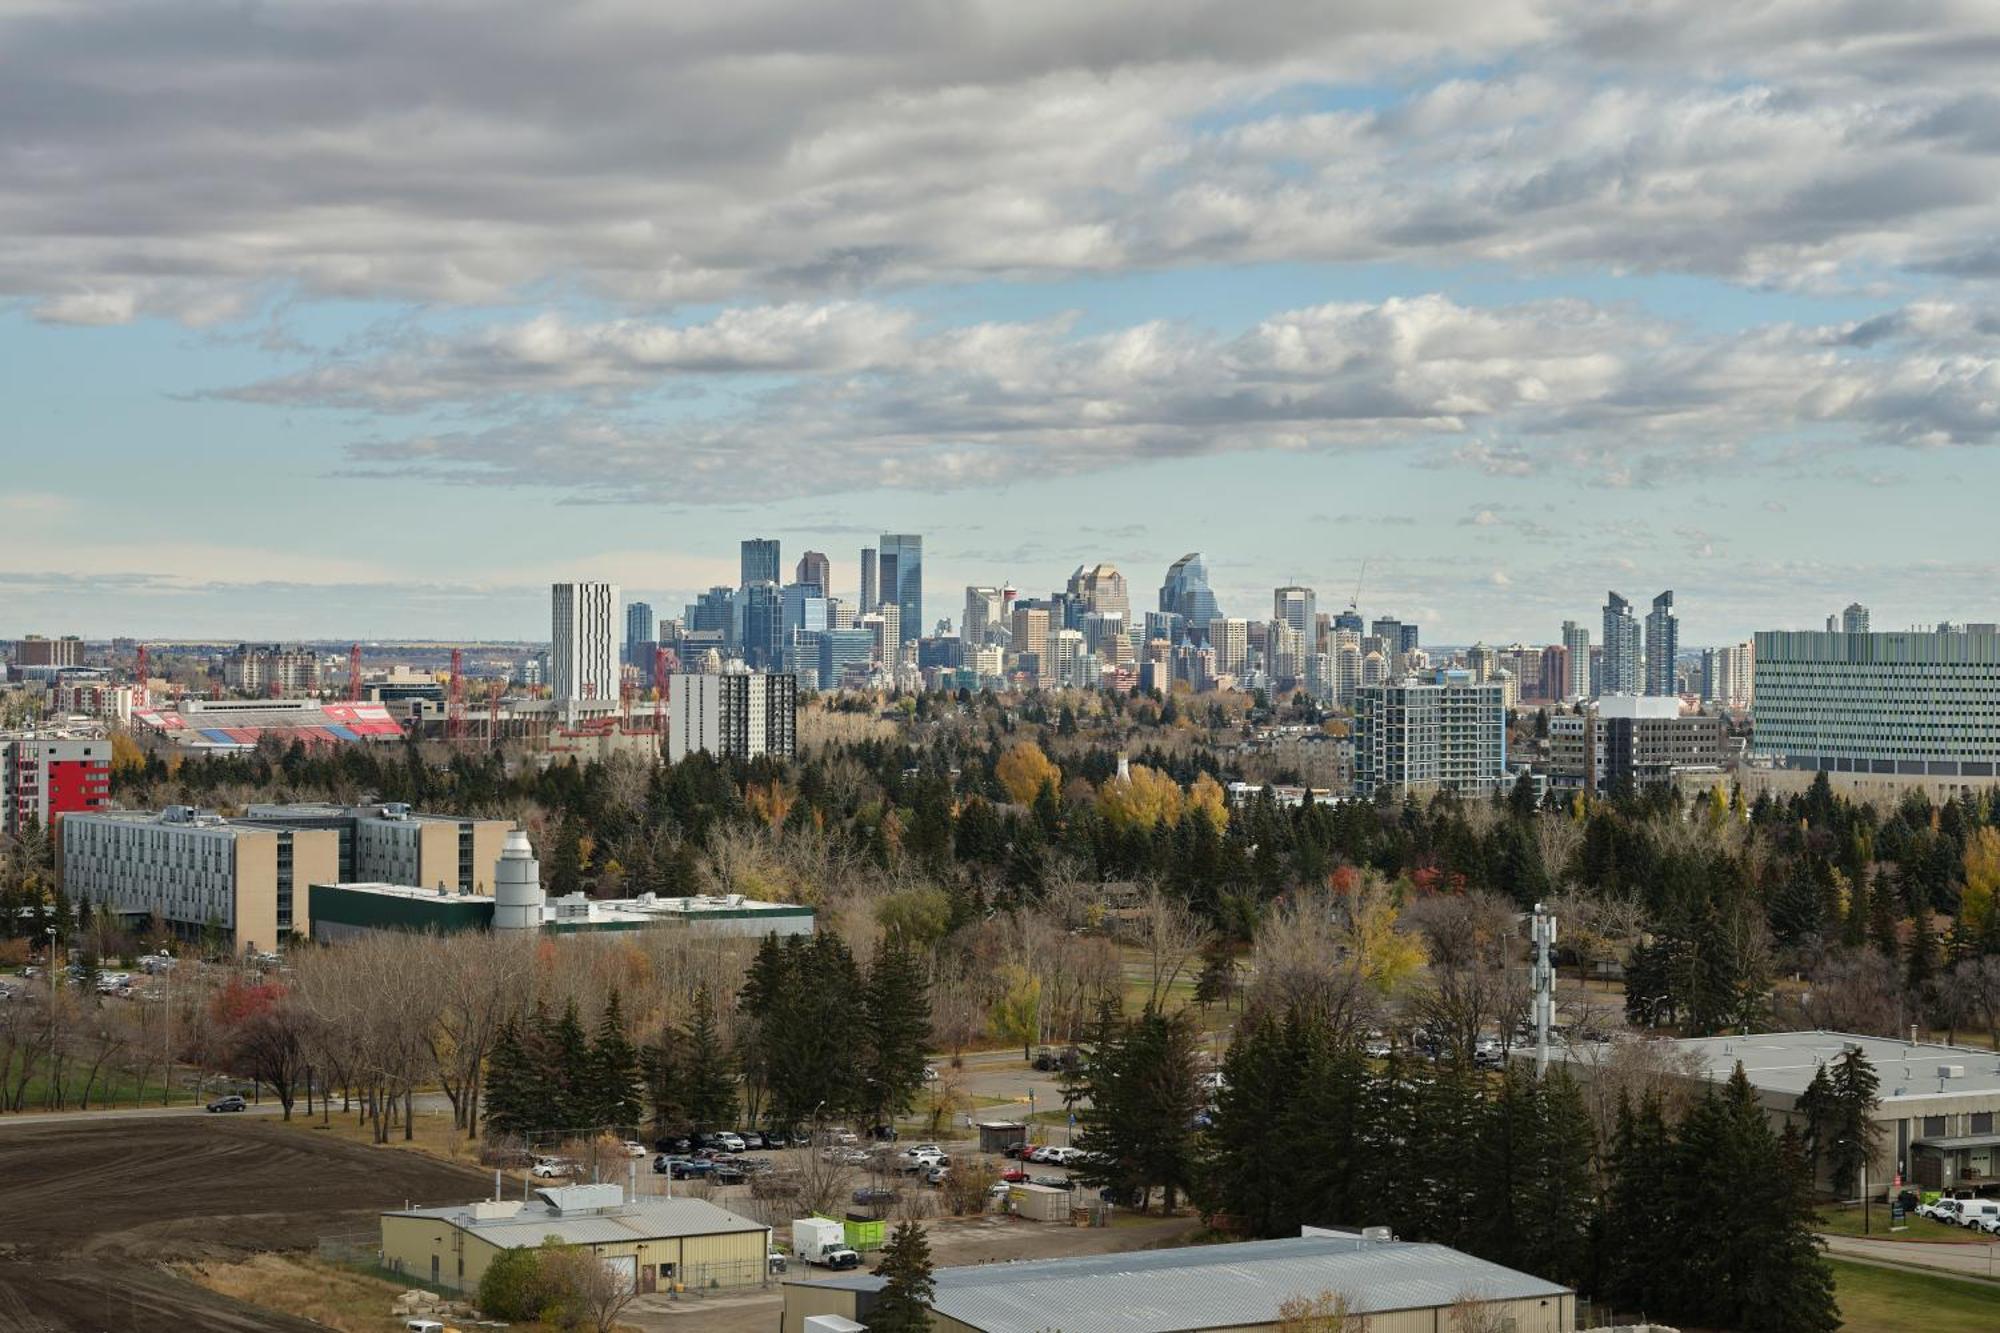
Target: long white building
pixel 583 641
pixel 737 714
pixel 1424 737
pixel 1903 705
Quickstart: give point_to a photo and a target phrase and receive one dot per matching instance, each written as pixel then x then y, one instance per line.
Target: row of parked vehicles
pixel 1978 1214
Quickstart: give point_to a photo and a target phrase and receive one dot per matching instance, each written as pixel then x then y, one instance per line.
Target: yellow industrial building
pixel 1398 1286
pixel 658 1244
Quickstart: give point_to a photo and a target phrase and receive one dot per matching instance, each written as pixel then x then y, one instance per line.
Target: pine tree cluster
pixel 548 1078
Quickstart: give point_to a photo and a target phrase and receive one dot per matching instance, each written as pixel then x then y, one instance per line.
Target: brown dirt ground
pixel 91 1213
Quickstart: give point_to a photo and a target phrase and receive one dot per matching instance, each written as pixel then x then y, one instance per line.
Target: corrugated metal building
pixel 1400 1286
pixel 660 1244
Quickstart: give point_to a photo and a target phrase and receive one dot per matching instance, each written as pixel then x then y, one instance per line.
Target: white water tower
pixel 517 886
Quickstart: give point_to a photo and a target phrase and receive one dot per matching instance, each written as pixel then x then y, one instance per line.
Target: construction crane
pixel 354 674
pixel 661 655
pixel 494 689
pixel 454 699
pixel 141 695
pixel 1354 602
pixel 627 687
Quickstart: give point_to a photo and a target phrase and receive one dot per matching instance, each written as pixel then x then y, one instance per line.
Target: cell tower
pixel 454 699
pixel 1544 986
pixel 354 674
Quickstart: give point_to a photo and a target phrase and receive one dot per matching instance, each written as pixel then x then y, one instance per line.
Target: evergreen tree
pixel 1140 1084
pixel 711 1076
pixel 1855 1133
pixel 1639 1254
pixel 904 1303
pixel 1254 1163
pixel 506 1095
pixel 573 1103
pixel 1815 1104
pixel 897 1004
pixel 615 1094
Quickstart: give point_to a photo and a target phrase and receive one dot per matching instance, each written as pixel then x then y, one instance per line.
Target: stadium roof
pixel 1213 1286
pixel 236 724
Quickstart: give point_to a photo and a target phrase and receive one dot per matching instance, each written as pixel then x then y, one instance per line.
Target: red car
pixel 1014 1175
pixel 1019 1151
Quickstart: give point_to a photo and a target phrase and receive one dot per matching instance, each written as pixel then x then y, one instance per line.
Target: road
pixel 1968 1260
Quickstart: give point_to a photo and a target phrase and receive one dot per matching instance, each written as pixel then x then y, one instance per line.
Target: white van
pixel 1981 1213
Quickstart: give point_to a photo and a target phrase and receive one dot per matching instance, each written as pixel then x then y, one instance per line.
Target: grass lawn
pixel 1847 1222
pixel 112 1088
pixel 338 1298
pixel 1885 1300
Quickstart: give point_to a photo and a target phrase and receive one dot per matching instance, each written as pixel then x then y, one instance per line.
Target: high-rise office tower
pixel 760 561
pixel 1576 641
pixel 1297 607
pixel 869 599
pixel 583 641
pixel 982 612
pixel 1349 619
pixel 1099 588
pixel 1663 641
pixel 1621 673
pixel 1186 593
pixel 815 568
pixel 1031 634
pixel 760 610
pixel 1854 620
pixel 901 566
pixel 641 631
pixel 713 611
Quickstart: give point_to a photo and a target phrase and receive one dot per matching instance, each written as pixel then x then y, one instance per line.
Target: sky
pixel 369 318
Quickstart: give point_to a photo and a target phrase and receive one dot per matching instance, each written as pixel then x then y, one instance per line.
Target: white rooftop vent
pixel 1951 1071
pixel 568 1199
pixel 1377 1235
pixel 494 1210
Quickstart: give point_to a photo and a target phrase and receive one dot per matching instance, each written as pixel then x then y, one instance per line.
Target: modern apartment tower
pixel 583 642
pixel 869 598
pixel 1663 641
pixel 1576 639
pixel 901 579
pixel 1854 620
pixel 1622 656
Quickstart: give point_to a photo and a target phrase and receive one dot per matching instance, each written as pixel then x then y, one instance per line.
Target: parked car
pixel 1909 1199
pixel 687 1168
pixel 999 1189
pixel 1053 1182
pixel 937 1175
pixel 729 1173
pixel 229 1103
pixel 1013 1175
pixel 729 1142
pixel 1041 1154
pixel 921 1159
pixel 674 1144
pixel 1018 1151
pixel 632 1149
pixel 930 1073
pixel 1942 1210
pixel 552 1168
pixel 868 1196
pixel 844 1137
pixel 774 1260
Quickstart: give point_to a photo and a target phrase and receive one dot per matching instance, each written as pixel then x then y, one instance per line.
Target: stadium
pixel 238 724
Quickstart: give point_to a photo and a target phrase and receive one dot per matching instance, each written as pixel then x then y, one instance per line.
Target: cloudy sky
pixel 370 317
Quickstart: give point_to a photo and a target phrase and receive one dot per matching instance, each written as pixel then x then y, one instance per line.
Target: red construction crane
pixel 454 699
pixel 141 696
pixel 354 674
pixel 494 689
pixel 660 656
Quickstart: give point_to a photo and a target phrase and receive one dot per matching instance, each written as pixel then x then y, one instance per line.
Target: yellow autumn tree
pixel 1383 955
pixel 1207 798
pixel 1023 770
pixel 1145 799
pixel 1982 879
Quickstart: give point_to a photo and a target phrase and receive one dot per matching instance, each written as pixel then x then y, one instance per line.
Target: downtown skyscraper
pixel 900 579
pixel 583 642
pixel 1663 641
pixel 1622 654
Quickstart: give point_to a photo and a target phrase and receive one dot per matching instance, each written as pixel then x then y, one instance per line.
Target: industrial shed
pixel 1402 1287
pixel 660 1243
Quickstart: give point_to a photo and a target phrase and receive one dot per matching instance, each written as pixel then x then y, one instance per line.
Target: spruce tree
pixel 709 1075
pixel 898 1009
pixel 1255 1159
pixel 574 1104
pixel 1639 1258
pixel 904 1303
pixel 1140 1086
pixel 1854 1131
pixel 615 1091
pixel 506 1111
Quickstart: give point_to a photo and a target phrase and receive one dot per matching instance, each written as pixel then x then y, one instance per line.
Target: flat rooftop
pixel 1212 1286
pixel 636 1219
pixel 577 908
pixel 1785 1062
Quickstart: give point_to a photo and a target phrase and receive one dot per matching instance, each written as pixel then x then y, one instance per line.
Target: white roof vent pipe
pixel 517 885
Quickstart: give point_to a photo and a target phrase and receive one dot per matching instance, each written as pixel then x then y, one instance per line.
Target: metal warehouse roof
pixel 640 1219
pixel 1213 1286
pixel 1784 1062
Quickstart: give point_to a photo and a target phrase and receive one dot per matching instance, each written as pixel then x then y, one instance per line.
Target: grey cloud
pixel 196 159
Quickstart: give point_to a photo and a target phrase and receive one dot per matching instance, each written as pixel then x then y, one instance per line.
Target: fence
pixel 352 1247
pixel 723 1278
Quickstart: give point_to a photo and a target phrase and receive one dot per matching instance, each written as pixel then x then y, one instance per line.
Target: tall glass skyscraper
pixel 1186 594
pixel 900 566
pixel 1663 642
pixel 760 561
pixel 1621 648
pixel 641 631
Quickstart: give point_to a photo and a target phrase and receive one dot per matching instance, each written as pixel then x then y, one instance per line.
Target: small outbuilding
pixel 658 1244
pixel 999 1135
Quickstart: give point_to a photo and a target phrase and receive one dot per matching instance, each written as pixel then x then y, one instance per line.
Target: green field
pixel 1887 1300
pixel 113 1088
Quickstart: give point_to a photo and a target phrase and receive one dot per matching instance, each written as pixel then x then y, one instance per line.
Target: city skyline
pixel 1509 300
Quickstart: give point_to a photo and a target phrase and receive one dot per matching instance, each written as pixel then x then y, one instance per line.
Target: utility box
pixel 1039 1203
pixel 996 1136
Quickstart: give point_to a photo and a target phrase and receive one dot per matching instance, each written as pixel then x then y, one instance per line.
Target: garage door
pixel 626 1267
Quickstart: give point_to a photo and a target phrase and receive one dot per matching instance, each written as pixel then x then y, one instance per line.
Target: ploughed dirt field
pixel 91 1211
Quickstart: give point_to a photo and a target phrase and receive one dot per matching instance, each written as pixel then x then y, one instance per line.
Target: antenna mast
pixel 1544 985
